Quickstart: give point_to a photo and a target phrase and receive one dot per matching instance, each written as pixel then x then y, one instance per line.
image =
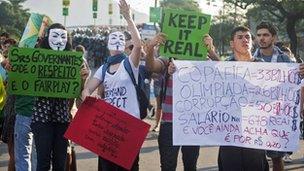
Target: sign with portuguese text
pixel 108 131
pixel 44 72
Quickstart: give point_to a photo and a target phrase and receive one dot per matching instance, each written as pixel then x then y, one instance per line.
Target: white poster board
pixel 245 104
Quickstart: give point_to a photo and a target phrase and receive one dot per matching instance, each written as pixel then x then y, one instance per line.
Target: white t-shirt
pixel 119 89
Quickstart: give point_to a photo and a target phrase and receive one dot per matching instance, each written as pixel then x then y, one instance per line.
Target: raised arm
pixel 90 87
pixel 208 41
pixel 126 13
pixel 152 64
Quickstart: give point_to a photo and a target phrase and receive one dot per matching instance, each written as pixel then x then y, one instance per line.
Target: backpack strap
pixel 105 67
pixel 128 68
pixel 111 61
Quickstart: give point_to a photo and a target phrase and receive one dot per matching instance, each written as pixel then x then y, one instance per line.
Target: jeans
pixel 50 145
pixel 169 153
pixel 25 157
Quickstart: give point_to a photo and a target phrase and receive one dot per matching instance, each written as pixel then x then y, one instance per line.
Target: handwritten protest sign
pixel 108 131
pixel 42 72
pixel 185 30
pixel 243 104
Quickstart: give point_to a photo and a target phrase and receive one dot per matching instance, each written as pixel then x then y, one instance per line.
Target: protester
pixel 158 81
pixel 116 76
pixel 4 36
pixel 51 116
pixel 266 37
pixel 80 48
pixel 3 76
pixel 288 52
pixel 25 152
pixel 8 110
pixel 168 152
pixel 3 61
pixel 94 40
pixel 240 158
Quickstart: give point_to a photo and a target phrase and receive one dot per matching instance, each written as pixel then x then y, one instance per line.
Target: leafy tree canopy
pixel 181 4
pixel 282 12
pixel 13 17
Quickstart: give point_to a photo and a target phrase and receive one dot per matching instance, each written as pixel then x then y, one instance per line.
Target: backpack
pixel 142 99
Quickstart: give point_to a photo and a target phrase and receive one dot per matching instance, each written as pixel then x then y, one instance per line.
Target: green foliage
pixel 223 25
pixel 181 4
pixel 13 17
pixel 220 32
pixel 287 14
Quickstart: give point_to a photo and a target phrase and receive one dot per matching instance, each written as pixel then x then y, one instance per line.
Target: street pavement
pixel 149 156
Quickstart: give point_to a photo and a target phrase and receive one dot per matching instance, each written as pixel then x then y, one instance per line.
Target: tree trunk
pixel 291 31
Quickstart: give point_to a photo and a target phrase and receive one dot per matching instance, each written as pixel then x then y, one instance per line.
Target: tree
pixel 220 32
pixel 13 17
pixel 289 12
pixel 181 4
pixel 223 24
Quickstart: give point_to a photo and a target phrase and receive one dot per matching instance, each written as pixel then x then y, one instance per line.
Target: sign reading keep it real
pixel 185 30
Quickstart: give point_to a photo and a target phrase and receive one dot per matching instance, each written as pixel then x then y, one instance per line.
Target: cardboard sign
pixel 43 72
pixel 108 131
pixel 185 30
pixel 245 104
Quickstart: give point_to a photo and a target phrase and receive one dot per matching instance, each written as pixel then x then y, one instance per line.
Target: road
pixel 149 157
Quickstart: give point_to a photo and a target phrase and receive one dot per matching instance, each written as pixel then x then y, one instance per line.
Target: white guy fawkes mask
pixel 58 39
pixel 116 41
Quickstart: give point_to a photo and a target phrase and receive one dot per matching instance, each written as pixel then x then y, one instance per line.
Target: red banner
pixel 108 131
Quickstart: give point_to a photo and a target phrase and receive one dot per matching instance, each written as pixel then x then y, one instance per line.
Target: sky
pixel 83 14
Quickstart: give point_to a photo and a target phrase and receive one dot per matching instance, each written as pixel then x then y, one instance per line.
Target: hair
pixel 285 49
pixel 269 26
pixel 80 48
pixel 239 28
pixel 45 41
pixel 10 41
pixel 4 34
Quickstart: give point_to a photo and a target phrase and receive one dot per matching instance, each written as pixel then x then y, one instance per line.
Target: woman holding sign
pixel 113 77
pixel 51 116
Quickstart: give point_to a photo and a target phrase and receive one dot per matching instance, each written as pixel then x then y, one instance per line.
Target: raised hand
pixel 208 41
pixel 160 38
pixel 125 9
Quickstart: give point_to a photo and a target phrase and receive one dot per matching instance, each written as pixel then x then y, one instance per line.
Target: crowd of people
pixel 94 40
pixel 43 120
